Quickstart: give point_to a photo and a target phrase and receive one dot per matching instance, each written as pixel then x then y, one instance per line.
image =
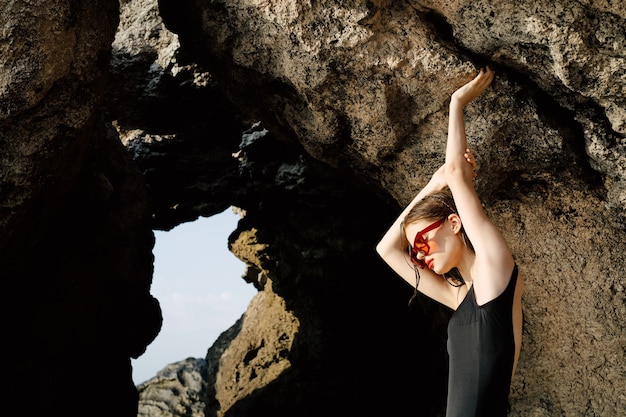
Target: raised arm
pixel 393 246
pixel 457 140
pixel 494 261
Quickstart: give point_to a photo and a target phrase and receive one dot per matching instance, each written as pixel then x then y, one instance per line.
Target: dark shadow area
pixel 360 349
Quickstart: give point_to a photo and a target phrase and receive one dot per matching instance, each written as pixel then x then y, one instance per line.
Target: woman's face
pixel 433 245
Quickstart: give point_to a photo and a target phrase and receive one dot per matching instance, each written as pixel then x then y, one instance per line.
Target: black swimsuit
pixel 481 347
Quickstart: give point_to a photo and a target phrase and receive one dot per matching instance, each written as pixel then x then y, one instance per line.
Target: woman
pixel 448 234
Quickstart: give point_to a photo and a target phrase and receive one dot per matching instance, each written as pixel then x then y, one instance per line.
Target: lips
pixel 430 263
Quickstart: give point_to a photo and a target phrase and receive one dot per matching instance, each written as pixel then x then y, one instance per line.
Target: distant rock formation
pixel 319 121
pixel 176 390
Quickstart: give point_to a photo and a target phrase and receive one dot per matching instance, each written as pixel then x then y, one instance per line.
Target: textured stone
pixel 176 390
pixel 75 233
pixel 363 86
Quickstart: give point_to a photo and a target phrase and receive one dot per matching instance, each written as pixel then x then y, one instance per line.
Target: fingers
pixel 469 157
pixel 475 87
pixel 484 78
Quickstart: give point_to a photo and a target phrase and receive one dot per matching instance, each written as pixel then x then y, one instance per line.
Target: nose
pixel 421 255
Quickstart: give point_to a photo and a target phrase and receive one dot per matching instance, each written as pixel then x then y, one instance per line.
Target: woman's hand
pixel 474 88
pixel 469 157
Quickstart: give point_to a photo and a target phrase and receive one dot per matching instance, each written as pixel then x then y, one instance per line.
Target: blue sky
pixel 198 282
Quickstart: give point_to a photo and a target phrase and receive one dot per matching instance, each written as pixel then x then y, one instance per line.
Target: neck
pixel 465 266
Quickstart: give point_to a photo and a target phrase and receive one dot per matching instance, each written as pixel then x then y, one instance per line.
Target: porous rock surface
pixel 319 122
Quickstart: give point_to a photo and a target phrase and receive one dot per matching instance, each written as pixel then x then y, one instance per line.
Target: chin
pixel 440 271
pixel 436 270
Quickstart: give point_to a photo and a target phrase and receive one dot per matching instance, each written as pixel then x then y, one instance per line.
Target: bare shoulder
pixel 490 279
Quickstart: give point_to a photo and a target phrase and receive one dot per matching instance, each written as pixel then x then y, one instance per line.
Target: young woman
pixel 445 246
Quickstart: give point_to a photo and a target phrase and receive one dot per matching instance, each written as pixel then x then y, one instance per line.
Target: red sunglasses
pixel 420 245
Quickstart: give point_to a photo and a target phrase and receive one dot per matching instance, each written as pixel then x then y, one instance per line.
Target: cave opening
pixel 198 283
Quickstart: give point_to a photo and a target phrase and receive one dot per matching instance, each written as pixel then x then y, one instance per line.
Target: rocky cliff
pixel 319 121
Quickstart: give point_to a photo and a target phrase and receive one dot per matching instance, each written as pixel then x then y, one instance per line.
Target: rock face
pixel 319 121
pixel 75 230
